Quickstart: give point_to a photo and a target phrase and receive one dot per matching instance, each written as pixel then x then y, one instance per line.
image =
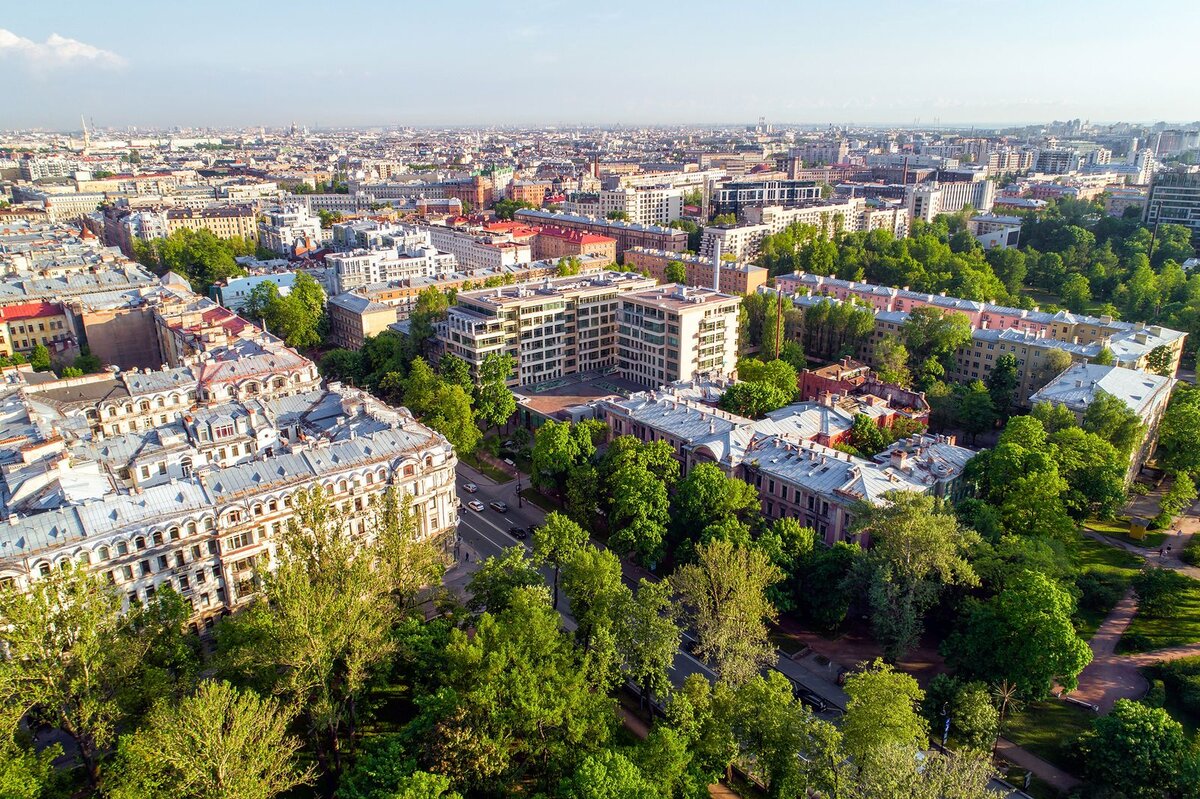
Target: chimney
pixel 899 458
pixel 716 265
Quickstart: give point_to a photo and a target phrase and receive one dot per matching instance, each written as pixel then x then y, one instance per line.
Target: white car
pixel 470 488
pixel 475 505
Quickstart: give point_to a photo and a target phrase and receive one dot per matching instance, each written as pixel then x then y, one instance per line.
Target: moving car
pixel 518 532
pixel 498 506
pixel 475 505
pixel 470 488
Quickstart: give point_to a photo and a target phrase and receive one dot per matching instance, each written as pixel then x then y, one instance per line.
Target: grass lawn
pixel 1093 556
pixel 541 500
pixel 1148 633
pixel 1119 530
pixel 475 463
pixel 1049 729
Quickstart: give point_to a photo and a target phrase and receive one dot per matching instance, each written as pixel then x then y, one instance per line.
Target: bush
pixel 1157 695
pixel 1181 678
pixel 1135 642
pixel 1159 591
pixel 1191 553
pixel 1099 591
pixel 1139 489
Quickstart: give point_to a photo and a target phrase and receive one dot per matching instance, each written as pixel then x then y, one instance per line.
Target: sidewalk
pixel 1046 772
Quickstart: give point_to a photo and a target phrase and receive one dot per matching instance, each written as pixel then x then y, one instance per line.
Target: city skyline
pixel 947 64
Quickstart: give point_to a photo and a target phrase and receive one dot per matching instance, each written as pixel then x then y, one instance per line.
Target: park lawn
pixel 1149 633
pixel 1097 557
pixel 1049 729
pixel 541 500
pixel 1118 529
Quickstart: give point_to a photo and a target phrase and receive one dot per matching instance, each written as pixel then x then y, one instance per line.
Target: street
pixel 485 534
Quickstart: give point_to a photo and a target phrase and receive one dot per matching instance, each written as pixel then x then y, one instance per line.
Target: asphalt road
pixel 484 534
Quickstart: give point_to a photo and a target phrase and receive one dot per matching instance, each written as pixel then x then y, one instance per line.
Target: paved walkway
pixel 1044 771
pixel 1110 677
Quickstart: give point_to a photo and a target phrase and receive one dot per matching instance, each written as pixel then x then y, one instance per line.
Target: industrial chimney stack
pixel 716 264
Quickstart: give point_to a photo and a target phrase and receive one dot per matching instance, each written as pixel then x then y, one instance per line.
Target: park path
pixel 1043 770
pixel 1110 677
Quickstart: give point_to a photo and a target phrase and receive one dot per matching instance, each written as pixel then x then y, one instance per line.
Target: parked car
pixel 498 506
pixel 810 698
pixel 470 488
pixel 475 505
pixel 519 533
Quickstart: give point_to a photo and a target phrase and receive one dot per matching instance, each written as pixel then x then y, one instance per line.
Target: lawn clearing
pixel 1049 729
pixel 1151 633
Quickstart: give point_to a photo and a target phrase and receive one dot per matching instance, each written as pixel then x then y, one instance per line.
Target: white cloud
pixel 56 52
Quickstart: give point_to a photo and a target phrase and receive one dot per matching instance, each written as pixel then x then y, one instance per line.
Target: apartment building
pixel 224 222
pixel 1029 336
pixel 627 234
pixel 757 222
pixel 556 327
pixel 530 191
pixel 478 252
pixel 731 198
pixel 1146 395
pixel 354 318
pixel 289 230
pixel 734 277
pixel 357 268
pixel 26 325
pixel 927 200
pixel 643 206
pixel 204 529
pixel 1175 199
pixel 787 456
pixel 555 242
pixel 672 333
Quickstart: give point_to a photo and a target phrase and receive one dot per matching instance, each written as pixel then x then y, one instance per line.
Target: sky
pixel 542 62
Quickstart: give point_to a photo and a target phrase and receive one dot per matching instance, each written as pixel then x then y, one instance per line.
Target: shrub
pixel 1191 553
pixel 1099 591
pixel 1157 695
pixel 1159 590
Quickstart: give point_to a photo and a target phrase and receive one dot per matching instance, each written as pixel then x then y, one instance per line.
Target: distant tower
pixel 87 141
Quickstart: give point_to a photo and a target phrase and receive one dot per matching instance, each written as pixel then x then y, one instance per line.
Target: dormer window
pixel 223 431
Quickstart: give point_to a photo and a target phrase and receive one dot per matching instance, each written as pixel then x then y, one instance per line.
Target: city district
pixel 580 462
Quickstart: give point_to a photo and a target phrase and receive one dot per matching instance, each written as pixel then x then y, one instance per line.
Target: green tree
pixel 1002 384
pixel 1179 432
pixel 778 373
pixel 328 218
pixel 891 359
pixel 608 775
pixel 1177 498
pixel 1023 635
pixel 1140 752
pixel 707 497
pixel 974 720
pixel 865 436
pixel 327 613
pixel 555 451
pixel 918 548
pixel 1104 357
pixel 71 658
pixel 1160 591
pixel 1054 416
pixel 1161 360
pixel 39 359
pixel 975 411
pixel 1076 293
pixel 639 513
pixel 932 333
pixel 724 596
pixel 455 371
pixel 498 578
pixel 88 363
pixel 648 637
pixel 583 495
pixel 792 354
pixel 410 562
pixel 882 711
pixel 220 743
pixel 618 216
pixel 1114 421
pixel 520 706
pixel 494 400
pixel 676 272
pixel 431 307
pixel 753 400
pixel 70 371
pixel 555 541
pixel 591 581
pixel 506 209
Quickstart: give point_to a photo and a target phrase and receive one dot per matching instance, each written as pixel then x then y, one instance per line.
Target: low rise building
pixel 1147 395
pixel 783 456
pixel 25 326
pixel 554 242
pixel 289 230
pixel 353 318
pixel 732 277
pixel 627 234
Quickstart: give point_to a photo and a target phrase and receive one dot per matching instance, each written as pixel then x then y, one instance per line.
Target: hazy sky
pixel 354 62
